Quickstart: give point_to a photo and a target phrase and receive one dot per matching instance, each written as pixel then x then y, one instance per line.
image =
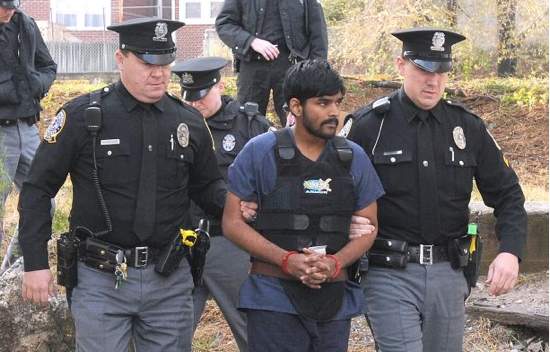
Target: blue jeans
pixel 281 332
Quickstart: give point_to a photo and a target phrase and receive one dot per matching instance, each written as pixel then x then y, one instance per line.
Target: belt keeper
pixel 284 262
pixel 338 266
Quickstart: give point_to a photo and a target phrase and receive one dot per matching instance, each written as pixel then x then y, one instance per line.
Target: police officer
pixel 26 73
pixel 307 184
pixel 153 154
pixel 426 151
pixel 267 37
pixel 231 125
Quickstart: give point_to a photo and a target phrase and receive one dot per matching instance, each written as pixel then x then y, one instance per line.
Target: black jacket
pixel 240 20
pixel 23 85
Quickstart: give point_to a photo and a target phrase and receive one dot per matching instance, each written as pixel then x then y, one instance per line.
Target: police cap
pixel 198 75
pixel 148 38
pixel 429 48
pixel 10 4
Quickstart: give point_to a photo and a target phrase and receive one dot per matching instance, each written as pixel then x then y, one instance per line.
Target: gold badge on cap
pixel 161 30
pixel 187 78
pixel 459 137
pixel 183 135
pixel 437 41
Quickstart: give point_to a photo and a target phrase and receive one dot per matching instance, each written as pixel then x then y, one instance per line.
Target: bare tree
pixel 452 6
pixel 507 42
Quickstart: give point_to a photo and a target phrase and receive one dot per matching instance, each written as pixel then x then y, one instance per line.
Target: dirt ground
pixel 480 335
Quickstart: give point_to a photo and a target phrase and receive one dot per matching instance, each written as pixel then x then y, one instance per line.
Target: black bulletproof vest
pixel 312 202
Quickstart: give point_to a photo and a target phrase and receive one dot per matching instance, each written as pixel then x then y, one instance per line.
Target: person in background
pixel 232 125
pixel 27 71
pixel 267 37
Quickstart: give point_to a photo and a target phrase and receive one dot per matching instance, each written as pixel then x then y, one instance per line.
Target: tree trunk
pixel 507 44
pixel 452 6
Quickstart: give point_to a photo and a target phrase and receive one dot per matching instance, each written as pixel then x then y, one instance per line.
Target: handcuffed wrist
pixel 284 262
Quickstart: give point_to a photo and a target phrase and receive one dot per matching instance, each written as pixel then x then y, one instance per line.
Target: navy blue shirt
pixel 254 172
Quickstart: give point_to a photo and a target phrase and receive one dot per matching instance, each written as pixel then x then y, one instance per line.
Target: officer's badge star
pixel 183 135
pixel 437 41
pixel 459 137
pixel 55 127
pixel 228 142
pixel 161 30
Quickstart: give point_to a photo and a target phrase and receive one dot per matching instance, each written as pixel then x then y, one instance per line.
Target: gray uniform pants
pixel 156 311
pixel 420 308
pixel 18 146
pixel 225 270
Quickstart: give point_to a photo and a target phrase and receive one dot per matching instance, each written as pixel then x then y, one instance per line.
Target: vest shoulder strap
pixel 285 147
pixel 344 151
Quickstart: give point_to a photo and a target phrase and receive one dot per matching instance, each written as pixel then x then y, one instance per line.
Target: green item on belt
pixel 472 229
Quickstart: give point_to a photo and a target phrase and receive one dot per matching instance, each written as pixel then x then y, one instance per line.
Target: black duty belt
pixel 396 253
pixel 427 254
pixel 30 120
pixel 105 256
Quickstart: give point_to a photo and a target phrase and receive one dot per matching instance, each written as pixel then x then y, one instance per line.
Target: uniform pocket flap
pixel 113 150
pixel 460 158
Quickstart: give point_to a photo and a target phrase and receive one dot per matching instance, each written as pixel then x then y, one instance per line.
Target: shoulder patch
pixel 55 127
pixel 347 126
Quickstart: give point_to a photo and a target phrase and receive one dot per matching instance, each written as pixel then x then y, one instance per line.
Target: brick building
pixel 85 21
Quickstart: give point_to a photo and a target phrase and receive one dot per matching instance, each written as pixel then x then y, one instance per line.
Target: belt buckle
pixel 141 256
pixel 426 254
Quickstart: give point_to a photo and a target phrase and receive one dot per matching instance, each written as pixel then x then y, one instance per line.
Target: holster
pixel 359 269
pixel 197 258
pixel 471 270
pixel 67 260
pixel 171 256
pixel 457 250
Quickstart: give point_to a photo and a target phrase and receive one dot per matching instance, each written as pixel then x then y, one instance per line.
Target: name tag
pixel 115 141
pixel 394 152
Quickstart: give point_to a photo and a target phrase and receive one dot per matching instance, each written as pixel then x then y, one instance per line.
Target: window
pixel 193 10
pixel 82 15
pixel 200 11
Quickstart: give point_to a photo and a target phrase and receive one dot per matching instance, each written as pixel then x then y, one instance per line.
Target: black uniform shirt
pixel 231 130
pixel 398 156
pixel 182 172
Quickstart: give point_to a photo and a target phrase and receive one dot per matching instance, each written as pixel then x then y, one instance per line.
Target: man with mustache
pixel 308 184
pixel 426 151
